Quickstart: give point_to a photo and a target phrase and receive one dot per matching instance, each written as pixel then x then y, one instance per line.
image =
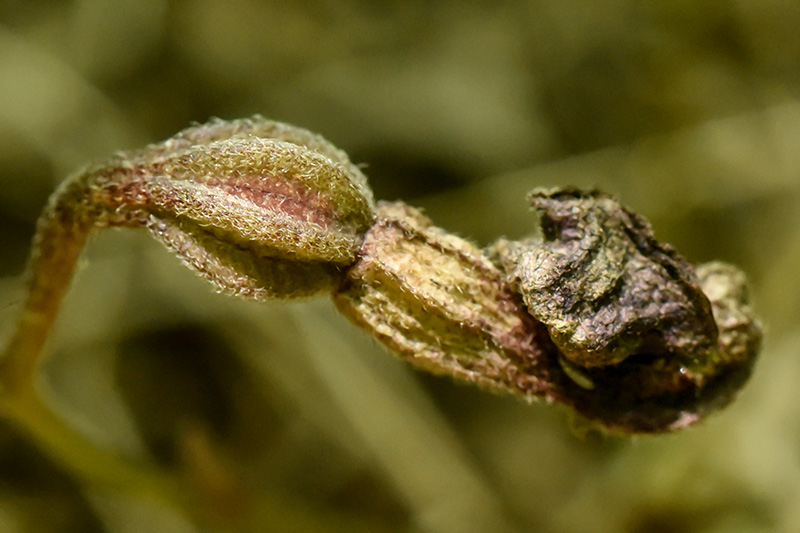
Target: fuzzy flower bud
pixel 261 209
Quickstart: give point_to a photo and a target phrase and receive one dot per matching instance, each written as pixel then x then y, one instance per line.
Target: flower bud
pixel 262 209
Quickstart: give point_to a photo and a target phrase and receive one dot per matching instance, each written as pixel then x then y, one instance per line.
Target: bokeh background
pixel 283 417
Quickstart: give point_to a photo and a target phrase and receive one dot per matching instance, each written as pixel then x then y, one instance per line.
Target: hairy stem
pixel 60 237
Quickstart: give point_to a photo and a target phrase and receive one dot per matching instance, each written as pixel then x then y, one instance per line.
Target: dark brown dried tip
pixel 605 288
pixel 647 343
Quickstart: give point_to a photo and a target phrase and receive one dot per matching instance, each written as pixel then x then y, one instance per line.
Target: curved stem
pixel 60 237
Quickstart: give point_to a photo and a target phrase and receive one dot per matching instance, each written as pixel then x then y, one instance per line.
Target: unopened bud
pixel 262 209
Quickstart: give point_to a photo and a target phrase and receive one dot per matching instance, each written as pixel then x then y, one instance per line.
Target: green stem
pixel 60 236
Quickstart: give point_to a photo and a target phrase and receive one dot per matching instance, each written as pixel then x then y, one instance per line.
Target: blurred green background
pixel 283 417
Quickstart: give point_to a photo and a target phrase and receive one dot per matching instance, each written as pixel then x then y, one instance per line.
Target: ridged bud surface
pixel 262 209
pixel 439 303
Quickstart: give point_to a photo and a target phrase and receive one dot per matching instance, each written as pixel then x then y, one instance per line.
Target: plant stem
pixel 59 240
